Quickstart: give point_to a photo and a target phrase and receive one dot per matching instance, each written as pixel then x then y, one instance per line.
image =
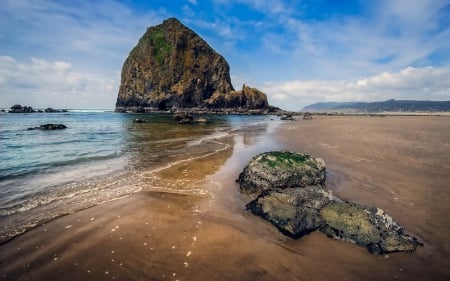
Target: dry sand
pixel 401 164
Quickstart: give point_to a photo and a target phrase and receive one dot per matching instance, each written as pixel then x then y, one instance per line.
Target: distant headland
pixel 382 106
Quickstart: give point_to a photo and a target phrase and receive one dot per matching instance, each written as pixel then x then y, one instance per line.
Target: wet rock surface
pixel 371 228
pixel 294 211
pixel 291 196
pixel 50 127
pixel 280 170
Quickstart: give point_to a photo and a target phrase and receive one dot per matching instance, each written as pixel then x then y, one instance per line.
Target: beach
pixel 190 222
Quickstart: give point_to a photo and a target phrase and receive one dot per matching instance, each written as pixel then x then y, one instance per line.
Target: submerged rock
pixel 50 127
pixel 281 169
pixel 183 117
pixel 137 120
pixel 292 198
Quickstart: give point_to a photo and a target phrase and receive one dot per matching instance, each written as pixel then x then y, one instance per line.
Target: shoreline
pixel 155 235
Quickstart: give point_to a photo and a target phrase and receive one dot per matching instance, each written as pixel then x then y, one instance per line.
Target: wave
pixel 50 167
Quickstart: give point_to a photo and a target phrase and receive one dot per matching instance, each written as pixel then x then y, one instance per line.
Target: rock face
pixel 172 67
pixel 280 170
pixel 290 195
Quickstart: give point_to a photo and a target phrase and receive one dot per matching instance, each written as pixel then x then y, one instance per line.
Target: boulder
pixel 294 211
pixel 137 120
pixel 183 117
pixel 371 228
pixel 279 170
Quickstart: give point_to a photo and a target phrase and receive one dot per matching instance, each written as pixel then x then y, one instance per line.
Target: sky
pixel 69 53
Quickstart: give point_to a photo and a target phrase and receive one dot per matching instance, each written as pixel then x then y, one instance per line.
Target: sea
pixel 100 156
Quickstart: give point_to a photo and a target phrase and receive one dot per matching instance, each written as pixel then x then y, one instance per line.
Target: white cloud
pixel 409 83
pixel 41 83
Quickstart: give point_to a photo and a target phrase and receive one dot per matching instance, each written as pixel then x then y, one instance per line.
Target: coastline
pixel 155 235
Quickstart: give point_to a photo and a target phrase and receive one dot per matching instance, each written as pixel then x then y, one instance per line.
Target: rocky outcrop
pixel 247 98
pixel 171 67
pixel 290 195
pixel 17 108
pixel 280 170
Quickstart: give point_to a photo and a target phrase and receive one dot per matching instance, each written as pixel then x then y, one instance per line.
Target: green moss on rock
pixel 284 159
pixel 161 48
pixel 352 219
pixel 367 227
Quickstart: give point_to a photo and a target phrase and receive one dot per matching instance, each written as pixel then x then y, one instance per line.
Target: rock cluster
pixel 290 194
pixel 171 67
pixel 17 108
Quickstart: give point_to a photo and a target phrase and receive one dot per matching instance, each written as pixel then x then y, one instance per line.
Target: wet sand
pixel 400 164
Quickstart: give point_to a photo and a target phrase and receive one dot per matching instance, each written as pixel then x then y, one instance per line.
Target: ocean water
pixel 101 156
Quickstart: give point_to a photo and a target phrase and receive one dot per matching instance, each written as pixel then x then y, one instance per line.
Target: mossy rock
pixel 280 170
pixel 367 227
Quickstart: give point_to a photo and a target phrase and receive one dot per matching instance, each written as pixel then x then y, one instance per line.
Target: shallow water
pixel 101 156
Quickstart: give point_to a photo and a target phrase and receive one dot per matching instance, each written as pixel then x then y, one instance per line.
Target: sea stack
pixel 173 68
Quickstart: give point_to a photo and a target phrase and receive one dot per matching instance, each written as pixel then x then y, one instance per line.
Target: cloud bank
pixel 40 83
pixel 69 54
pixel 425 83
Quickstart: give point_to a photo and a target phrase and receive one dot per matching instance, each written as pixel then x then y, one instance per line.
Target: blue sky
pixel 69 54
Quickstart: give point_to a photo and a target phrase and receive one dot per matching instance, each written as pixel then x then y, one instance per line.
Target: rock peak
pixel 173 67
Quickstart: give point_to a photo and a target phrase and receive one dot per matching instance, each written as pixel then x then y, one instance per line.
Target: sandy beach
pixel 398 163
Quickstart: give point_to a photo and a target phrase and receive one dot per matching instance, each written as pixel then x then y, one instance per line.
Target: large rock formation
pixel 290 195
pixel 171 67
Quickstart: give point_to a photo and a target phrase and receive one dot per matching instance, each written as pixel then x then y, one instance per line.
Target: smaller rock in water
pixel 288 117
pixel 183 117
pixel 48 127
pixel 137 120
